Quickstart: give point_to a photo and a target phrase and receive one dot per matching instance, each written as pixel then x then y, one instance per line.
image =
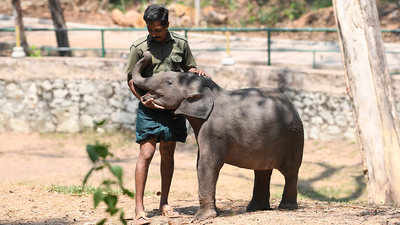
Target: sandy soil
pixel 332 189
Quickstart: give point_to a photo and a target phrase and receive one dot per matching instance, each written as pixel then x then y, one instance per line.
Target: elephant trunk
pixel 137 77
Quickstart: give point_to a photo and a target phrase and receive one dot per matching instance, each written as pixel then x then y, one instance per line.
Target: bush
pixel 295 10
pixel 317 4
pixel 99 154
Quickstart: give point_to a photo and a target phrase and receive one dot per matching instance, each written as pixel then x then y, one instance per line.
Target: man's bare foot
pixel 169 212
pixel 141 219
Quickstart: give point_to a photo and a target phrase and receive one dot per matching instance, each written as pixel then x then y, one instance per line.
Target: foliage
pixel 99 155
pixel 35 51
pixel 269 16
pixel 317 4
pixel 295 10
pixel 120 4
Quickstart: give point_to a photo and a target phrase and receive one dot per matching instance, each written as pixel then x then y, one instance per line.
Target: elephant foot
pixel 203 214
pixel 288 205
pixel 257 206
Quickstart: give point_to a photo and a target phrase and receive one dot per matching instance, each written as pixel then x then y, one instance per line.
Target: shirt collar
pixel 168 38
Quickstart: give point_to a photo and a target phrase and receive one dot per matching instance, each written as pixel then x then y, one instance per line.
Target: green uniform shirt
pixel 172 55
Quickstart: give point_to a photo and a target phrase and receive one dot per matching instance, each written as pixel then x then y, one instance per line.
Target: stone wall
pixel 69 94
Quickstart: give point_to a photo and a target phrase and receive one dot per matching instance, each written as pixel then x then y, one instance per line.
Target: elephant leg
pixel 289 196
pixel 261 194
pixel 207 173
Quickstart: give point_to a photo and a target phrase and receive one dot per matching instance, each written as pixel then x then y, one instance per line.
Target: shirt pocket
pixel 176 62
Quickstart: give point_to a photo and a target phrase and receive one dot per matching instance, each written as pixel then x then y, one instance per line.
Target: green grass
pixel 76 190
pixel 79 190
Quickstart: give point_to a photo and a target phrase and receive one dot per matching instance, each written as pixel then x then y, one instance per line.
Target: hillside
pixel 215 13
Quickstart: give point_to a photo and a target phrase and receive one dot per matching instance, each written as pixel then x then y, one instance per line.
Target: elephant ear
pixel 197 105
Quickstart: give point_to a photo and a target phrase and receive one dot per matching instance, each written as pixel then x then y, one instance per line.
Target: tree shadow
pixel 55 221
pixel 305 186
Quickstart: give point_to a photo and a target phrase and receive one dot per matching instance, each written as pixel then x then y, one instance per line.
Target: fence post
pixel 269 47
pixel 186 33
pixel 313 60
pixel 103 50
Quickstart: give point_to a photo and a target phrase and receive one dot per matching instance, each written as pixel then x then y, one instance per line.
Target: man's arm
pixel 132 60
pixel 190 63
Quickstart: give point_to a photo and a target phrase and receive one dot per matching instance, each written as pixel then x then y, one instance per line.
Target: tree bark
pixel 59 24
pixel 20 24
pixel 369 86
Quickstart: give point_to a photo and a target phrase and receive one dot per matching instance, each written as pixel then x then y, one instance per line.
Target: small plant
pixel 269 16
pixel 99 155
pixel 318 4
pixel 35 51
pixel 295 10
pixel 119 4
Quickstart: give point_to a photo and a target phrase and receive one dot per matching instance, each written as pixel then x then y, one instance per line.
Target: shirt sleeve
pixel 189 61
pixel 134 56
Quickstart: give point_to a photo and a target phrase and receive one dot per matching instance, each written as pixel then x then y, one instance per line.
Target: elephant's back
pixel 264 106
pixel 261 127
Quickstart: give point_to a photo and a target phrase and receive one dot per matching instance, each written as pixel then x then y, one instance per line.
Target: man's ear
pixel 197 105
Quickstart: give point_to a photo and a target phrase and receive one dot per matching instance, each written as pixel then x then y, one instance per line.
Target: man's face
pixel 157 31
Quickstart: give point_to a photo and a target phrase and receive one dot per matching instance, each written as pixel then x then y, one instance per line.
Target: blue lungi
pixel 163 125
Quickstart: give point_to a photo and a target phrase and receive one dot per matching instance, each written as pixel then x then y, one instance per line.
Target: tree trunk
pixel 59 24
pixel 103 5
pixel 20 24
pixel 370 89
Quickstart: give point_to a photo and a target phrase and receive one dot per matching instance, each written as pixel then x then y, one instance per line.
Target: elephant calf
pixel 250 128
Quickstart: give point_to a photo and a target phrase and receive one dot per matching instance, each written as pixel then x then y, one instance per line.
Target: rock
pixel 135 19
pixel 212 16
pixel 117 17
pixel 19 125
pixel 131 19
pixel 181 15
pixel 123 117
pixel 67 119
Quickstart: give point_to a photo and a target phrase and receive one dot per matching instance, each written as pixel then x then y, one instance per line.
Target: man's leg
pixel 167 150
pixel 147 149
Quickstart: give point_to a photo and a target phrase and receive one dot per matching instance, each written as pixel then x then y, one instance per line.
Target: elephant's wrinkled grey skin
pixel 250 128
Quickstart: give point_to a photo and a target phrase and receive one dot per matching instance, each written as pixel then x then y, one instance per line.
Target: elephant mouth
pixel 158 106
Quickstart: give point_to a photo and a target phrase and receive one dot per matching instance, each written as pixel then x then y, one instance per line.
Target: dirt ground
pixel 332 189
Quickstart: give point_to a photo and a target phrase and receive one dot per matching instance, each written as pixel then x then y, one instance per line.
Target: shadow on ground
pixel 56 221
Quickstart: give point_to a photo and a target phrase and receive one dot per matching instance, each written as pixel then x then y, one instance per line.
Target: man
pixel 170 52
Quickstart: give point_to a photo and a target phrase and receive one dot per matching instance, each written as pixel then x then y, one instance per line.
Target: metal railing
pixel 268 32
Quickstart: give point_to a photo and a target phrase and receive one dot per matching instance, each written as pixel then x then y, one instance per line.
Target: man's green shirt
pixel 172 55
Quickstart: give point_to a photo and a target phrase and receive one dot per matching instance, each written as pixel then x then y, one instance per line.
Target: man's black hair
pixel 156 13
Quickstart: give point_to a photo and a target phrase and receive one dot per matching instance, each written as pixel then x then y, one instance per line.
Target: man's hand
pixel 198 71
pixel 133 90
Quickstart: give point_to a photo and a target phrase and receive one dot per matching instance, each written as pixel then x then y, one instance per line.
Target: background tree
pixel 16 4
pixel 57 16
pixel 369 86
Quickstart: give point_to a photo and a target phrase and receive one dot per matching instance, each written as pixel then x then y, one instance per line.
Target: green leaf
pixel 101 222
pixel 101 149
pixel 117 171
pixel 98 196
pixel 92 153
pixel 87 177
pixel 112 211
pixel 121 218
pixel 99 123
pixel 111 200
pixel 127 192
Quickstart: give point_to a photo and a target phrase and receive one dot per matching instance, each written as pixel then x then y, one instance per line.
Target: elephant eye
pixel 169 82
